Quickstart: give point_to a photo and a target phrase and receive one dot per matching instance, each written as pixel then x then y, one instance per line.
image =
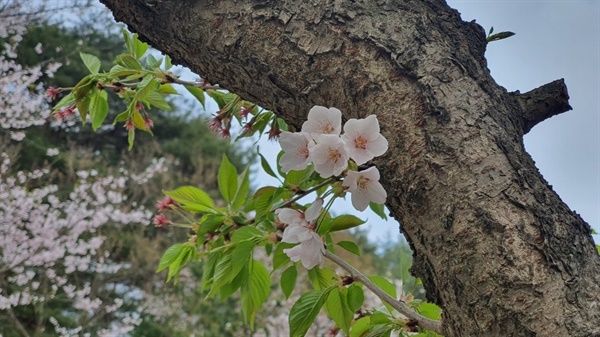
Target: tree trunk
pixel 493 244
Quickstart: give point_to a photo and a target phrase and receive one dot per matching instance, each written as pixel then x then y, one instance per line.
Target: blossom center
pixel 363 182
pixel 327 128
pixel 360 142
pixel 333 155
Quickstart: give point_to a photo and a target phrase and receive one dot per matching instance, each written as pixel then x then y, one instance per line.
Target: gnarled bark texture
pixel 494 245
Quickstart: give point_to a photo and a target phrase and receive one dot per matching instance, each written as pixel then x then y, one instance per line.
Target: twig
pixel 402 308
pixel 302 194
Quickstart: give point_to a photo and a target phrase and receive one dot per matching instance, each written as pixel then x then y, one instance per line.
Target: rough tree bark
pixel 494 245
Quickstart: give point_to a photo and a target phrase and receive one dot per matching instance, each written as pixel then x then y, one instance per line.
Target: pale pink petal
pixel 291 217
pixel 322 120
pixel 362 139
pixel 309 252
pixel 296 152
pixel 329 155
pixel 296 234
pixel 365 188
pixel 312 212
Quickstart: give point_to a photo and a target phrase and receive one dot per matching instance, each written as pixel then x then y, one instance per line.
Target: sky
pixel 554 39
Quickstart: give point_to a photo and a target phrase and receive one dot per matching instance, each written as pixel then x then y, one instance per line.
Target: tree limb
pixel 542 103
pixel 402 308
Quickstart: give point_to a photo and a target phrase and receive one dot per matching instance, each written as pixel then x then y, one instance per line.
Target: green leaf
pixel 246 233
pixel 381 330
pixel 499 36
pixel 350 246
pixel 208 270
pixel 83 106
pixel 380 318
pixel 139 46
pixel 65 102
pixel 191 198
pixel 266 167
pixel 196 92
pixel 221 275
pixel 321 278
pixel 130 138
pixel 167 89
pixel 386 286
pixel 152 62
pixel 279 257
pixel 430 310
pixel 128 62
pixel 91 62
pixel 337 308
pixel 288 280
pixel 355 297
pixel 210 223
pixel 146 86
pixel 157 100
pixel 240 256
pixel 255 292
pixel 169 256
pixel 378 209
pixel 98 109
pixel 168 63
pixel 185 255
pixel 227 179
pixel 345 221
pixel 360 327
pixel 491 31
pixel 242 192
pixel 305 310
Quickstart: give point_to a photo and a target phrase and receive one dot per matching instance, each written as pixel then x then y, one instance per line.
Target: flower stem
pixel 400 306
pixel 302 194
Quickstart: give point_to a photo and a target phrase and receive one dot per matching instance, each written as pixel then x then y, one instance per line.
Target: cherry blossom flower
pixel 365 188
pixel 323 121
pixel 300 224
pixel 363 140
pixel 296 153
pixel 129 125
pixel 310 251
pixel 161 221
pixel 329 155
pixel 148 123
pixel 165 203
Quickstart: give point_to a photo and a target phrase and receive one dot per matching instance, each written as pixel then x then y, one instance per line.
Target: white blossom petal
pixel 365 188
pixel 312 213
pixel 291 217
pixel 329 155
pixel 362 139
pixel 321 120
pixel 296 152
pixel 310 252
pixel 296 234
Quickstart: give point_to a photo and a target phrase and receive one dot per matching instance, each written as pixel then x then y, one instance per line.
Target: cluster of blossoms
pixel 322 143
pixel 22 100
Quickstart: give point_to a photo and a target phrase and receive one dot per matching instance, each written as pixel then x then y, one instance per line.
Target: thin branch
pixel 402 308
pixel 302 194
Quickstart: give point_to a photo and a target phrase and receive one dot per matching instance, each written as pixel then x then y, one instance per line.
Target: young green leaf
pixel 321 278
pixel 386 286
pixel 196 92
pixel 246 233
pixel 139 46
pixel 378 209
pixel 255 292
pixel 279 257
pixel 65 101
pixel 430 310
pixel 360 327
pixel 168 63
pixel 210 223
pixel 337 308
pixel 242 192
pixel 98 109
pixel 191 198
pixel 305 310
pixel 355 297
pixel 288 280
pixel 499 36
pixel 157 100
pixel 345 221
pixel 91 62
pixel 240 256
pixel 266 167
pixel 227 179
pixel 350 246
pixel 169 256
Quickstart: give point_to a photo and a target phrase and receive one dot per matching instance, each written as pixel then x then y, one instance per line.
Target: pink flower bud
pixel 161 221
